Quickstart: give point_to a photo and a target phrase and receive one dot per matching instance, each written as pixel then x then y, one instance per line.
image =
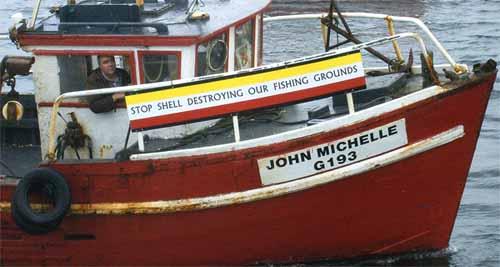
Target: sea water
pixel 470 30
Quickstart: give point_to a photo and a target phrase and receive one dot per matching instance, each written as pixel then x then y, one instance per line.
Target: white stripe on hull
pixel 193 204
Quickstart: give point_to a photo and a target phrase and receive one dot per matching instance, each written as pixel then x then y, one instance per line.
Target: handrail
pixel 34 15
pixel 142 87
pixel 416 21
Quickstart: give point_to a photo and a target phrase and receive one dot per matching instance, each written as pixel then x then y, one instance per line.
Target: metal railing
pixel 457 67
pixel 142 87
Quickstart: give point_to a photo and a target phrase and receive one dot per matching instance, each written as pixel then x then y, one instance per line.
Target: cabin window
pixel 244 46
pixel 75 69
pixel 158 67
pixel 211 56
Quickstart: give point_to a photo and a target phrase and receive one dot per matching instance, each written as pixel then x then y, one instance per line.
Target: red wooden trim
pixel 140 54
pixel 104 40
pixel 27 39
pixel 129 54
pixel 75 105
pixel 213 35
pixel 90 52
pixel 64 104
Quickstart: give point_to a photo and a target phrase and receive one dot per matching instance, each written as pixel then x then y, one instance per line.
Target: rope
pixel 160 72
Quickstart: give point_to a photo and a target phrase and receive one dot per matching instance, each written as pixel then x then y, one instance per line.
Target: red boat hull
pixel 405 206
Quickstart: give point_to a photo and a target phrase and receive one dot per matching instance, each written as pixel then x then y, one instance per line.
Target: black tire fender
pixel 30 228
pixel 40 223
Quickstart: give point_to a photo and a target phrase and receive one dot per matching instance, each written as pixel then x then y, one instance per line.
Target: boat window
pixel 212 56
pixel 74 70
pixel 157 68
pixel 244 43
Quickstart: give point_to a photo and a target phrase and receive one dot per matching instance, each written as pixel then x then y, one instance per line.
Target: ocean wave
pixel 422 258
pixel 485 173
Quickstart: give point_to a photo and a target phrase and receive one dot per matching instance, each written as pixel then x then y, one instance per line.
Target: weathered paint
pixel 327 156
pixel 30 40
pixel 331 125
pixel 395 45
pixel 105 151
pixel 48 89
pixel 194 204
pixel 407 205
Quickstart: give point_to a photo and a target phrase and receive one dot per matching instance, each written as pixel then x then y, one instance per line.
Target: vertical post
pixel 236 127
pixel 34 14
pixel 140 136
pixel 137 67
pixel 140 141
pixel 231 48
pixel 392 31
pixel 256 41
pixel 350 103
pixel 327 32
pixel 324 33
pixel 51 154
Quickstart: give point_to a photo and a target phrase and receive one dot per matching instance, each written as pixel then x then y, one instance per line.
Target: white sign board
pixel 325 157
pixel 244 91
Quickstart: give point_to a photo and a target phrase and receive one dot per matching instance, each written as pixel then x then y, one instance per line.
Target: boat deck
pixel 21 159
pixel 277 120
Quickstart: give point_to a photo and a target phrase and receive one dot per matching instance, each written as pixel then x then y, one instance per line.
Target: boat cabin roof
pixel 157 18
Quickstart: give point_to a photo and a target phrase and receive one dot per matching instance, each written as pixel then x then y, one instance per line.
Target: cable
pixel 7 168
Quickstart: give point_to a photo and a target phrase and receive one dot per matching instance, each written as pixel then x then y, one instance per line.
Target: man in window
pixel 106 76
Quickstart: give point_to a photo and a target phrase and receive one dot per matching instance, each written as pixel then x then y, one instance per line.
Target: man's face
pixel 107 65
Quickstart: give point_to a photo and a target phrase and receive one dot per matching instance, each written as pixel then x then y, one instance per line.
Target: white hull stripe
pixel 330 125
pixel 193 204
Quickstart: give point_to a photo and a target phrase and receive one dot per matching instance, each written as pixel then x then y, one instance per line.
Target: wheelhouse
pixel 154 41
pixel 181 50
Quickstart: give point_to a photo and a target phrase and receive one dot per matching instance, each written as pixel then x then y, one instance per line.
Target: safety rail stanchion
pixel 140 141
pixel 350 103
pixel 395 44
pixel 457 67
pixel 236 127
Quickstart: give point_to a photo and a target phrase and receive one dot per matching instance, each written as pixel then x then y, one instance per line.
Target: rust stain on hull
pixel 235 198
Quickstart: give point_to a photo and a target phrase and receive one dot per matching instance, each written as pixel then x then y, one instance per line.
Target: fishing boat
pixel 211 157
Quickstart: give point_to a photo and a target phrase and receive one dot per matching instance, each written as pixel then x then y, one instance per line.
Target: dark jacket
pixel 104 103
